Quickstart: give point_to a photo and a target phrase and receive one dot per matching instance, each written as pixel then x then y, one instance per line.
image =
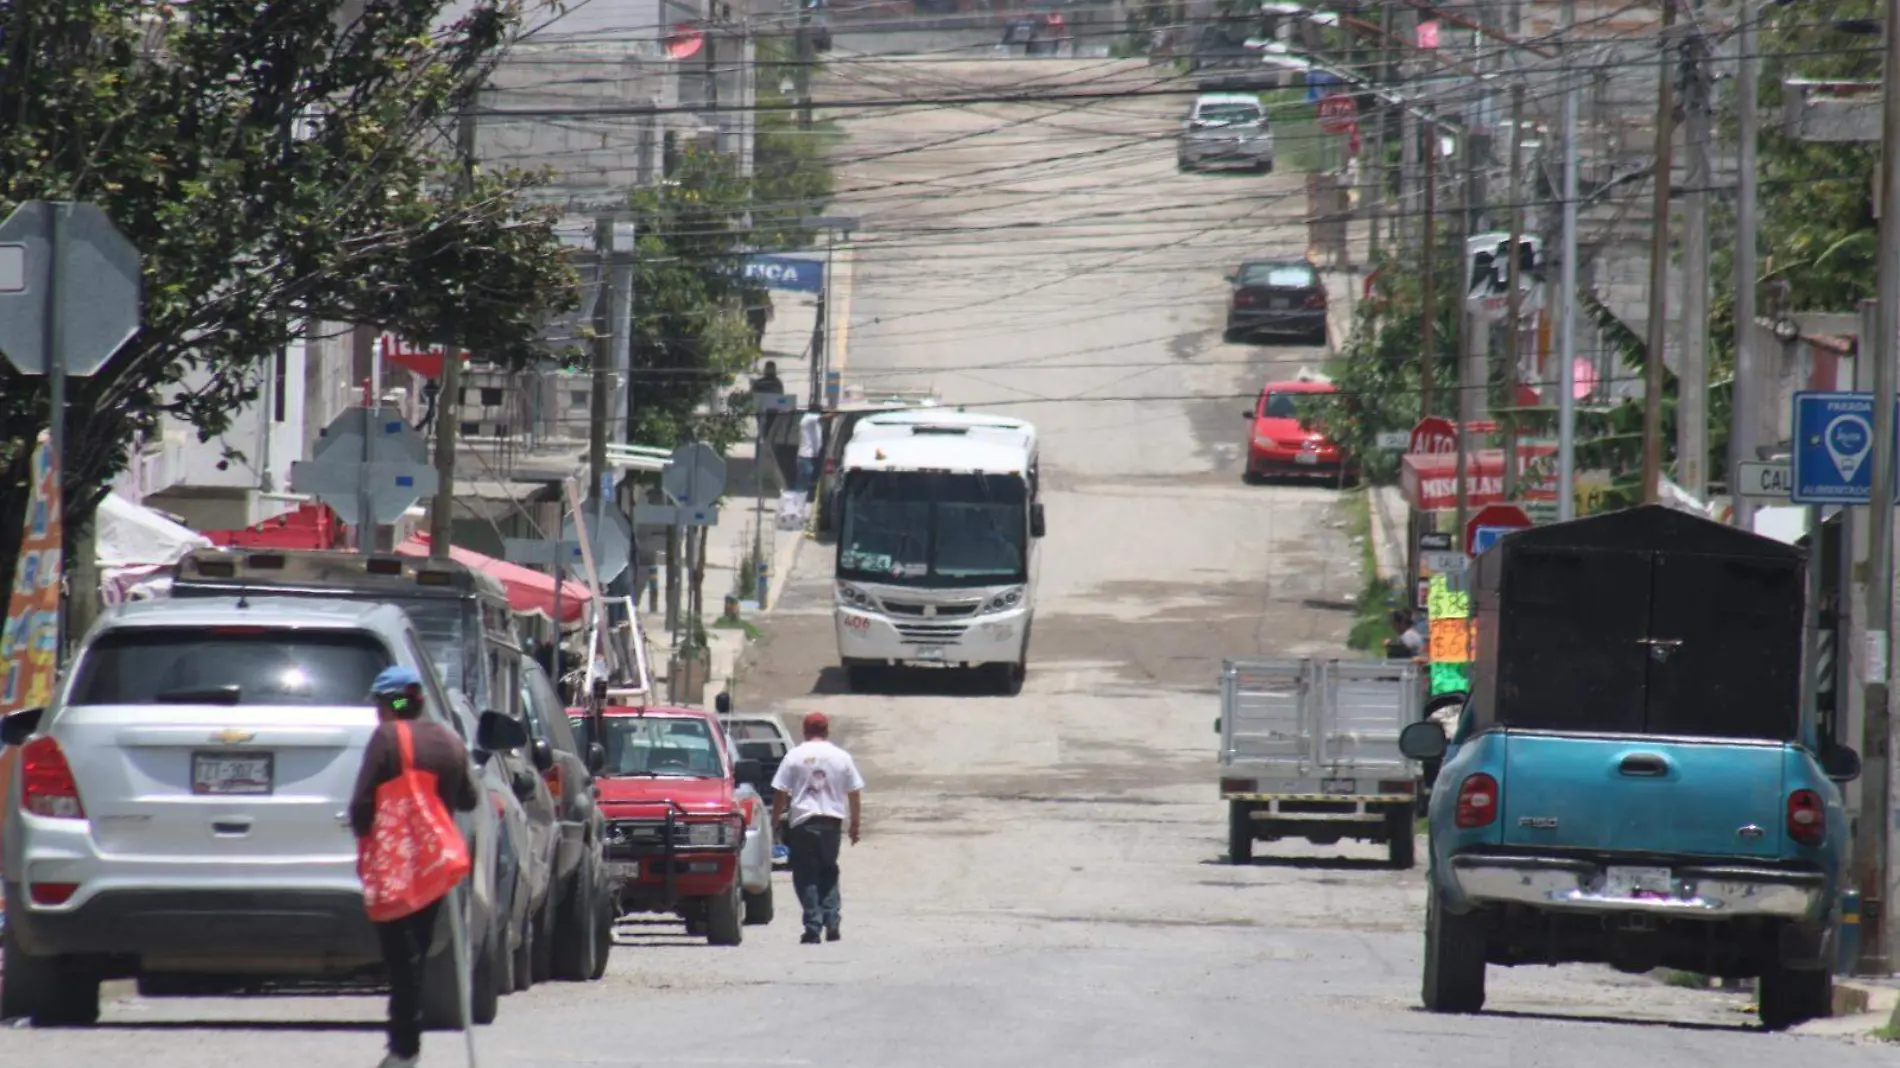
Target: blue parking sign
pixel 1834 448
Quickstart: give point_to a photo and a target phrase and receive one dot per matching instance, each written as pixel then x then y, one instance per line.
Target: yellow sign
pixel 1452 640
pixel 1443 602
pixel 29 640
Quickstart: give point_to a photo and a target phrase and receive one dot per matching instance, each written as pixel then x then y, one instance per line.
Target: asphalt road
pixel 1042 880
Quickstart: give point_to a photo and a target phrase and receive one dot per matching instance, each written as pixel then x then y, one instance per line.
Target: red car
pixel 1280 444
pixel 686 832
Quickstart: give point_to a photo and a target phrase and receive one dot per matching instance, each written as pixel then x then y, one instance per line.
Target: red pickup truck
pixel 686 832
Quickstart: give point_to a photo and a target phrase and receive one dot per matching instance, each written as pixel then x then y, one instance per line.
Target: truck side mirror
pixel 1038 526
pixel 1423 740
pixel 1841 763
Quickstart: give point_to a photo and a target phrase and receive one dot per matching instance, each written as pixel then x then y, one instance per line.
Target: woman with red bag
pixel 410 854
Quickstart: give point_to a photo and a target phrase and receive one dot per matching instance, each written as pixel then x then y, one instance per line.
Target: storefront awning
pixel 1430 480
pixel 529 591
pixel 311 526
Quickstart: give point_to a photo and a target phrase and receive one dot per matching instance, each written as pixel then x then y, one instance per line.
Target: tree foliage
pixel 277 163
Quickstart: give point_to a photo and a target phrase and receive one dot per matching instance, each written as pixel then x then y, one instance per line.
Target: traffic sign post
pixel 370 467
pixel 1833 444
pixel 695 475
pixel 1434 435
pixel 1492 522
pixel 609 540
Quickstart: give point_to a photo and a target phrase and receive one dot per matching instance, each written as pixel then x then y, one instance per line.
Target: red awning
pixel 1430 480
pixel 311 526
pixel 529 591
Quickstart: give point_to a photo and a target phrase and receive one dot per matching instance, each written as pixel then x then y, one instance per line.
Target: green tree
pixel 277 163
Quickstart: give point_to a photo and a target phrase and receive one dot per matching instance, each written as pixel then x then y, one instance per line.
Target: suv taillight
pixel 47 787
pixel 1807 818
pixel 1477 801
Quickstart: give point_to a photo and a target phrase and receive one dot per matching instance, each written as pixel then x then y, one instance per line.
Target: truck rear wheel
pixel 1787 997
pixel 1454 959
pixel 1239 832
pixel 1402 846
pixel 51 991
pixel 725 918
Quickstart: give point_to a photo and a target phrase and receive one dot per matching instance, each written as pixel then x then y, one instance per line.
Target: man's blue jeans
pixel 814 846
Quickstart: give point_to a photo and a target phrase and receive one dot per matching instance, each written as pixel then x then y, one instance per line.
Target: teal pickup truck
pixel 1631 780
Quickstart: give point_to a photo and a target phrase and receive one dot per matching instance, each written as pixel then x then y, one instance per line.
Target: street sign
pixel 391 438
pixel 1337 112
pixel 1770 480
pixel 798 274
pixel 666 515
pixel 1443 562
pixel 97 293
pixel 392 488
pixel 1492 522
pixel 1434 435
pixel 543 552
pixel 1833 448
pixel 1393 439
pixel 695 475
pixel 610 539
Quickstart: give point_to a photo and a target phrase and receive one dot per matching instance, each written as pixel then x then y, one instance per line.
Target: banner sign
pixel 794 273
pixel 30 637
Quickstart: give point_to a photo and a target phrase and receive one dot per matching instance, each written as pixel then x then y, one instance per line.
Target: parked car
pixel 525 857
pixel 1226 128
pixel 575 930
pixel 179 815
pixel 1281 443
pixel 1633 780
pixel 682 837
pixel 1283 298
pixel 761 737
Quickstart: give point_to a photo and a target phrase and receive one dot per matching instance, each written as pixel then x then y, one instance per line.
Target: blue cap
pixel 394 679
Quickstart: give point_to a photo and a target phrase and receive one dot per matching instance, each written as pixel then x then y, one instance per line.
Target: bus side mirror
pixel 1037 525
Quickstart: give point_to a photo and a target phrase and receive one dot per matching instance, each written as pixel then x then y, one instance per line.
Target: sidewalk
pixel 1861 1007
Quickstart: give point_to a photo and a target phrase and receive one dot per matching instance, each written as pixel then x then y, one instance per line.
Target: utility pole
pixel 1567 292
pixel 1474 371
pixel 1514 300
pixel 1658 333
pixel 603 369
pixel 1374 172
pixel 804 57
pixel 1874 856
pixel 1742 423
pixel 1427 353
pixel 1692 385
pixel 448 404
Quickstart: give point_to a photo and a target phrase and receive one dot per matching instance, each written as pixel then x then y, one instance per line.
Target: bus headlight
pixel 1004 601
pixel 852 597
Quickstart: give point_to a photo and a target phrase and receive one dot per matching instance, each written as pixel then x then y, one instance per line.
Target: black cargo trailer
pixel 1644 621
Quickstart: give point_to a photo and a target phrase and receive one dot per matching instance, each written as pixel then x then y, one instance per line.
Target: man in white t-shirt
pixel 811 441
pixel 817 787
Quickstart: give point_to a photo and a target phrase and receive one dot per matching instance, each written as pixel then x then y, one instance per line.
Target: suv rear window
pixel 230 666
pixel 1224 112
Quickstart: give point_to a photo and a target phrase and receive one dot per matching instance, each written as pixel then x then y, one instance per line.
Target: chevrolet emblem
pixel 233 736
pixel 930 610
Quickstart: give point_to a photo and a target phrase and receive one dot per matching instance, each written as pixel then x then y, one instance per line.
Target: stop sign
pixel 1492 522
pixel 1434 434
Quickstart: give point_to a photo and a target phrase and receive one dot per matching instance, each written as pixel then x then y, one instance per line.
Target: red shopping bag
pixel 413 854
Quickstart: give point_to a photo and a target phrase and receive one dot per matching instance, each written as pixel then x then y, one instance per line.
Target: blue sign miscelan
pixel 795 273
pixel 1834 448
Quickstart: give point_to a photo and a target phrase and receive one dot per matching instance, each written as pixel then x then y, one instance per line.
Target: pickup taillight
pixel 1477 801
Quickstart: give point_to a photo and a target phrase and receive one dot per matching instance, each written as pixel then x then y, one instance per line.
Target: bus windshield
pixel 915 528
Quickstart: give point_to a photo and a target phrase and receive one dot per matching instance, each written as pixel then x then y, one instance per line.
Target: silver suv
pixel 1226 128
pixel 180 812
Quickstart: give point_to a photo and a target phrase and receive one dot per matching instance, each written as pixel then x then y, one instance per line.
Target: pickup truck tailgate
pixel 1638 795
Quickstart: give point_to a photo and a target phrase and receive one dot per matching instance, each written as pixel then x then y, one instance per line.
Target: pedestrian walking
pixel 816 791
pixel 410 854
pixel 811 441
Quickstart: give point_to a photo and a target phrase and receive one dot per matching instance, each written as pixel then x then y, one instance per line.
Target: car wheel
pixel 1239 832
pixel 1402 848
pixel 1454 959
pixel 541 962
pixel 724 925
pixel 49 991
pixel 758 907
pixel 491 970
pixel 1786 997
pixel 571 954
pixel 1181 164
pixel 1006 678
pixel 604 934
pixel 521 964
pixel 1318 337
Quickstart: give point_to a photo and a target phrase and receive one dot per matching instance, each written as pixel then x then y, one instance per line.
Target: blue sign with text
pixel 786 272
pixel 1834 448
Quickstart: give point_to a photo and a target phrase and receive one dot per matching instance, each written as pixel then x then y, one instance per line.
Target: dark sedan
pixel 1278 297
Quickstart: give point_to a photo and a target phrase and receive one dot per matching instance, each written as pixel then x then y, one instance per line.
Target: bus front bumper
pixel 868 637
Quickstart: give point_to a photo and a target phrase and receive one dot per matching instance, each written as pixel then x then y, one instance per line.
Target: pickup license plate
pixel 1638 882
pixel 1307 458
pixel 1339 786
pixel 625 870
pixel 930 652
pixel 231 774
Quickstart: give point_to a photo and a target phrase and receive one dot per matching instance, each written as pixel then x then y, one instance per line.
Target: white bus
pixel 937 527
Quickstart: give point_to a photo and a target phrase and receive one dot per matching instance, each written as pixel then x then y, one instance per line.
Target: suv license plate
pixel 223 774
pixel 1638 882
pixel 1339 786
pixel 930 652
